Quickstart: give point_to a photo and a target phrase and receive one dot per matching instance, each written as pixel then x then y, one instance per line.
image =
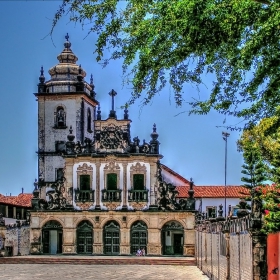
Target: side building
pixel 99 191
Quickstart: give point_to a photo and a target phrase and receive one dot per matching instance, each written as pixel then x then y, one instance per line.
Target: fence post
pixel 226 231
pixel 259 255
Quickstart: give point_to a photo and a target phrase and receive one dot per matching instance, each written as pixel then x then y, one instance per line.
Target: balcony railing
pixel 84 196
pixel 137 195
pixel 111 195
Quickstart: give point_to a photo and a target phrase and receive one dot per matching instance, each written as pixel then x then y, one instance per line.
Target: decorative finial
pixel 154 134
pixel 91 81
pixel 191 191
pixel 80 76
pixel 154 128
pixel 125 112
pixel 98 117
pixel 42 77
pixel 92 92
pixel 70 136
pixel 67 44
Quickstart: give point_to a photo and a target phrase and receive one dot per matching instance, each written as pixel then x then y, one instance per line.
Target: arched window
pixel 89 120
pixel 60 118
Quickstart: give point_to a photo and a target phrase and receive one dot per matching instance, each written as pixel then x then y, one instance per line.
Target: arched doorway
pixel 172 236
pixel 84 237
pixel 138 237
pixel 52 238
pixel 111 238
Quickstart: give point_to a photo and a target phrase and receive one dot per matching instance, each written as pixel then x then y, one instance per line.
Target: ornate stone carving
pixel 84 206
pixel 111 137
pixel 111 166
pixel 111 206
pixel 137 206
pixel 56 199
pixel 84 169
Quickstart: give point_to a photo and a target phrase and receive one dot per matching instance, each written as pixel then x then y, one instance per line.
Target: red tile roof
pixel 22 200
pixel 213 191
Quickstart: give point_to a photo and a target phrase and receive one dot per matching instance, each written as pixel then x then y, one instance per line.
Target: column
pixel 14 212
pixel 97 204
pixel 153 187
pixel 154 246
pixel 6 214
pixel 124 207
pixel 97 242
pixel 125 241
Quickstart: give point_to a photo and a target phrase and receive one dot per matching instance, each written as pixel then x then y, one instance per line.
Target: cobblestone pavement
pixel 100 272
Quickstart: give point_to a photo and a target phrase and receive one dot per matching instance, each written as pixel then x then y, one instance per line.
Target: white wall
pixel 169 178
pixel 216 202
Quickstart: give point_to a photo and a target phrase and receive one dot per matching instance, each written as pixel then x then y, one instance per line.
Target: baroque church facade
pixel 99 191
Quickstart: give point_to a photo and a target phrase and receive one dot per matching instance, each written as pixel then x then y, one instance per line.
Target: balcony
pixel 111 195
pixel 84 196
pixel 138 195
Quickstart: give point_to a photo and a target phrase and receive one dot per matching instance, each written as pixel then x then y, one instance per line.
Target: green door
pixel 112 239
pixel 84 238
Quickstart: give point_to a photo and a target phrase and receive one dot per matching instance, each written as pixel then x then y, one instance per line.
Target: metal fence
pixel 224 249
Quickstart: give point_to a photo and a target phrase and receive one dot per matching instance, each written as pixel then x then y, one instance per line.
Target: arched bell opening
pixel 138 237
pixel 111 238
pixel 52 237
pixel 172 236
pixel 84 237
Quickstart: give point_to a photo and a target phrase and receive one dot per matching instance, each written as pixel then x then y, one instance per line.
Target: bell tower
pixel 65 100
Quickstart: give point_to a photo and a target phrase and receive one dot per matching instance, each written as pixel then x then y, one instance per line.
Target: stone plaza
pixel 101 272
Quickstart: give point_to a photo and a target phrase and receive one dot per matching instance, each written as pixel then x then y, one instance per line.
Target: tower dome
pixel 64 74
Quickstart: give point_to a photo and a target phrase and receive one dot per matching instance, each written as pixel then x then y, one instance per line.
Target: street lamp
pixel 225 137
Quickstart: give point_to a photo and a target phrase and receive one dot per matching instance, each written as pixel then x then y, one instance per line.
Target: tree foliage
pixel 262 143
pixel 180 41
pixel 254 168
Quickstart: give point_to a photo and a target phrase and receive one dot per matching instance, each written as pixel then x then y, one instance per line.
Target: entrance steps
pixel 99 260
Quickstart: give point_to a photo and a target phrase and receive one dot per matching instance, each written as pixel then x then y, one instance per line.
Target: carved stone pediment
pixel 138 168
pixel 112 166
pixel 84 169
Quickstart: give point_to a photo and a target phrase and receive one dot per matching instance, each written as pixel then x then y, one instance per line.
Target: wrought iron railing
pixel 111 195
pixel 84 195
pixel 137 195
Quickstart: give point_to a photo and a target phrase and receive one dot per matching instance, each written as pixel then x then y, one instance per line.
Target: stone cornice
pixel 63 95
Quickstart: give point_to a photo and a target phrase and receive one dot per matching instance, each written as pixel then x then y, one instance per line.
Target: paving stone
pixel 100 272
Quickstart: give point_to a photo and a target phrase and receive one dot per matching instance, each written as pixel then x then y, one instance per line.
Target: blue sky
pixel 191 145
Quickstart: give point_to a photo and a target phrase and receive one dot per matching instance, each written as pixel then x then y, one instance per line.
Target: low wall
pixel 224 249
pixel 15 240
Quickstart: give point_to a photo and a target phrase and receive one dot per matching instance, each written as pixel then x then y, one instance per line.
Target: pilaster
pixel 97 204
pixel 97 247
pixel 124 193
